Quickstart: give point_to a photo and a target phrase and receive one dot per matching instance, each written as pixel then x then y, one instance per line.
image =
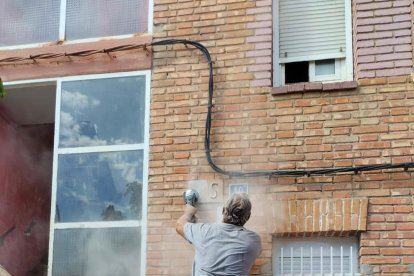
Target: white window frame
pixel 90 149
pixel 280 250
pixel 339 63
pixel 343 62
pixel 62 26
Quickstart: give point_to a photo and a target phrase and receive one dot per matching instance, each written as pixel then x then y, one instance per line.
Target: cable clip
pixel 147 51
pixel 33 58
pixel 68 56
pixel 108 52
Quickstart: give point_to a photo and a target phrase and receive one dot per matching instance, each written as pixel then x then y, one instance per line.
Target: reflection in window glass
pixel 93 18
pixel 102 112
pixel 99 187
pixel 27 22
pixel 103 252
pixel 325 67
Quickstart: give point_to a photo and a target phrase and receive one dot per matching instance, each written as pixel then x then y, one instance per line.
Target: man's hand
pixel 187 217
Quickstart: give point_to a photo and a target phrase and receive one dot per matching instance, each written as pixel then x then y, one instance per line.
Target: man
pixel 225 248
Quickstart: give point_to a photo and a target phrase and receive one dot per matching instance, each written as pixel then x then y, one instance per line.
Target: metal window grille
pixel 316 257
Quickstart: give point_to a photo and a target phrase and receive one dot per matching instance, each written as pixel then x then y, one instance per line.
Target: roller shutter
pixel 311 30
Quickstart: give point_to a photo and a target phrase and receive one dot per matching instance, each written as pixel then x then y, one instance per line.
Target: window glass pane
pixel 28 21
pixel 325 67
pixel 296 72
pixel 99 186
pixel 103 252
pixel 98 18
pixel 102 112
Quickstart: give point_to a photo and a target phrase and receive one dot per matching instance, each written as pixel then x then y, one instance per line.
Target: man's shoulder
pixel 201 227
pixel 251 232
pixel 253 236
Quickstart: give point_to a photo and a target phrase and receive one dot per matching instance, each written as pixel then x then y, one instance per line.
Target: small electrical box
pixel 238 188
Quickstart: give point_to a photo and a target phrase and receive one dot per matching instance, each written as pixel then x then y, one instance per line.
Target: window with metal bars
pixel 315 256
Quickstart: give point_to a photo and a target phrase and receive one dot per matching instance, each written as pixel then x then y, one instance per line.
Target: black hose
pixel 268 173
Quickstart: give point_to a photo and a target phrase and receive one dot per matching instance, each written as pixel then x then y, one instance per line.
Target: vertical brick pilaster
pixel 329 217
pixel 261 41
pixel 383 38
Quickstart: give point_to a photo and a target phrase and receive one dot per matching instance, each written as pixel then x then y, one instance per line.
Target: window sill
pixel 314 86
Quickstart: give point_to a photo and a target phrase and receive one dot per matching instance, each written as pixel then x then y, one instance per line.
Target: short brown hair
pixel 237 209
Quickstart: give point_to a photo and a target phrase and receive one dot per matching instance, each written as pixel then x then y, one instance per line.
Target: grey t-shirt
pixel 222 249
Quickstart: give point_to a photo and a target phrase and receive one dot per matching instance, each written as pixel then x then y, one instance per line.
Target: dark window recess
pixel 296 72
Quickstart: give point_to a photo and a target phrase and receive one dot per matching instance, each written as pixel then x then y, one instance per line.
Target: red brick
pixel 369 251
pixel 395 269
pixel 379 260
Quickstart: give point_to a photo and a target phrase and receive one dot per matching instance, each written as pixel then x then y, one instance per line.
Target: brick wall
pixel 254 130
pixel 327 217
pixel 383 38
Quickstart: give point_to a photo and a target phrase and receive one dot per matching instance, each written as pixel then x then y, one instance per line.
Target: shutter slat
pixel 313 6
pixel 308 28
pixel 336 18
pixel 311 36
pixel 311 27
pixel 315 14
pixel 311 56
pixel 288 47
pixel 323 3
pixel 314 48
pixel 311 32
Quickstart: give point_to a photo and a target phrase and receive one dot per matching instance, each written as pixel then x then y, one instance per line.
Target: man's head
pixel 237 209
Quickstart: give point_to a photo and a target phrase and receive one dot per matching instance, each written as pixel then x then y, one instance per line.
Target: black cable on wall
pixel 207 149
pixel 268 173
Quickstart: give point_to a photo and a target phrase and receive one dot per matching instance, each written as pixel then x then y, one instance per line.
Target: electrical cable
pixel 207 148
pixel 83 53
pixel 268 173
